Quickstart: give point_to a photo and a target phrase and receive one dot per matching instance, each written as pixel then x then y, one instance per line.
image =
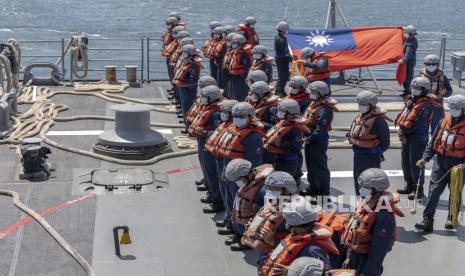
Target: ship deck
pixel 170 234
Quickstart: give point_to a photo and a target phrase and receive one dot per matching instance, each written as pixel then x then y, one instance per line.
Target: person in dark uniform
pixel 371 231
pixel 209 46
pixel 298 91
pixel 222 47
pixel 439 86
pixel 447 144
pixel 244 139
pixel 186 77
pixel 410 56
pixel 316 66
pixel 282 57
pixel 204 124
pixel 262 62
pixel 319 116
pixel 226 76
pixel 239 65
pixel 248 31
pixel 369 135
pixel 285 139
pixel 414 120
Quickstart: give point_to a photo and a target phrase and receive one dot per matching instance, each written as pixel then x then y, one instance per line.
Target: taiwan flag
pixel 352 48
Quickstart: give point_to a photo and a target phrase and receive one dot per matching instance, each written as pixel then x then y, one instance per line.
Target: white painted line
pixel 92 132
pixel 349 174
pixel 34 93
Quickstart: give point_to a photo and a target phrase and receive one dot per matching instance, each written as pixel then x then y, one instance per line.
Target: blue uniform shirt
pixel 193 74
pixel 270 117
pixel 323 122
pixel 410 49
pixel 281 48
pixel 253 144
pixel 292 144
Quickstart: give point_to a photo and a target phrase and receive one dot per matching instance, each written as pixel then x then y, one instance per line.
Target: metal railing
pixel 145 53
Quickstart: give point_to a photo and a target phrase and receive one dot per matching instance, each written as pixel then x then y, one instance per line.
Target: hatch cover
pixel 121 181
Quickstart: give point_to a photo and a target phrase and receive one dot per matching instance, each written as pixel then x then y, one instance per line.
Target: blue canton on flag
pixel 321 40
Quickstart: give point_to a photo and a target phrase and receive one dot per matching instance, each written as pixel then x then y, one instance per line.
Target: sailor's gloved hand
pixel 346 263
pixel 421 163
pixel 461 166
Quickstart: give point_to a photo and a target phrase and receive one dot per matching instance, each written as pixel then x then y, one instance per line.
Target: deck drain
pixel 121 181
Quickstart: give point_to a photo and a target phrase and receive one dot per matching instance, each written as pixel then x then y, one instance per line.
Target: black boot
pixel 200 182
pixel 449 225
pixel 420 195
pixel 426 225
pixel 239 247
pixel 405 191
pixel 184 131
pixel 225 231
pixel 221 223
pixel 202 188
pixel 215 207
pixel 232 240
pixel 207 200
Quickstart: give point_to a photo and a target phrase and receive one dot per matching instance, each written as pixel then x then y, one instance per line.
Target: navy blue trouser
pixel 283 77
pixel 438 115
pixel 222 184
pixel 291 167
pixel 188 96
pixel 213 69
pixel 412 151
pixel 316 161
pixel 223 82
pixel 363 161
pixel 211 176
pixel 441 166
pixel 238 88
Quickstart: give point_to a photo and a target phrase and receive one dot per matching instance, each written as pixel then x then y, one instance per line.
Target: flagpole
pixel 331 23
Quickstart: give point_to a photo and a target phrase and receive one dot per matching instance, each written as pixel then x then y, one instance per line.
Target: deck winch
pixel 132 138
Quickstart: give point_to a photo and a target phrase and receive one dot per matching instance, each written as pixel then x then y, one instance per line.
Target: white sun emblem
pixel 319 39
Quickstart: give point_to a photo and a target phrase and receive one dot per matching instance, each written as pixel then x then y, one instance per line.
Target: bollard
pixel 131 73
pixel 111 73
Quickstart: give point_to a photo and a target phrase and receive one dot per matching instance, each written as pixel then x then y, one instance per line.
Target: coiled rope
pixel 79 52
pixel 456 188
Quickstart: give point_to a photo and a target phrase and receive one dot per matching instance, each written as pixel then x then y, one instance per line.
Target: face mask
pixel 416 92
pixel 228 44
pixel 271 195
pixel 234 45
pixel 363 108
pixel 281 115
pixel 293 90
pixel 455 112
pixel 203 101
pixel 431 68
pixel 240 122
pixel 313 97
pixel 185 55
pixel 252 26
pixel 168 27
pixel 257 56
pixel 406 36
pixel 253 98
pixel 216 36
pixel 364 192
pixel 241 183
pixel 224 116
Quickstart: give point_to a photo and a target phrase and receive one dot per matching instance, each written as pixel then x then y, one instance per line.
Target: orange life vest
pixel 227 58
pixel 289 248
pixel 207 47
pixel 334 221
pixel 175 57
pixel 166 38
pixel 182 69
pixel 263 104
pixel 274 136
pixel 218 49
pixel 299 96
pixel 450 140
pixel 360 130
pixel 195 109
pixel 250 34
pixel 408 115
pixel 235 65
pixel 437 86
pixel 213 140
pixel 170 48
pixel 315 107
pixel 257 65
pixel 311 74
pixel 244 203
pixel 358 231
pixel 200 124
pixel 266 217
pixel 230 144
pixel 341 272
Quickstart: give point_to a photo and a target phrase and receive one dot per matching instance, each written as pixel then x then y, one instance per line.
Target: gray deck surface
pixel 170 235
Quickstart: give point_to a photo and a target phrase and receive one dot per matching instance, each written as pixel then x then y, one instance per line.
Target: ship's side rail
pixel 145 53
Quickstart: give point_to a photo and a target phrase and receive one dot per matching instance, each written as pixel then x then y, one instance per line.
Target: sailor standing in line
pixel 316 67
pixel 167 38
pixel 448 145
pixel 202 127
pixel 369 135
pixel 410 56
pixel 226 76
pixel 209 46
pixel 248 31
pixel 319 116
pixel 238 68
pixel 262 62
pixel 439 86
pixel 298 91
pixel 282 56
pixel 414 120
